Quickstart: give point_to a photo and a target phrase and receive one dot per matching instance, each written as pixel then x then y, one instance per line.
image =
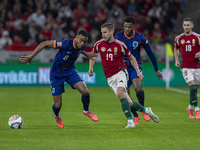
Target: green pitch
pixel 40 132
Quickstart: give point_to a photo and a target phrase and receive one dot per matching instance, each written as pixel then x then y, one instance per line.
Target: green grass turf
pixel 174 132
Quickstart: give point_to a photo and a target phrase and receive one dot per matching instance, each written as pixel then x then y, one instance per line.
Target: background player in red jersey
pixel 111 51
pixel 188 44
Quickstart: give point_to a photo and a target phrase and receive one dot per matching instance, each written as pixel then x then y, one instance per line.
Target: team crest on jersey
pixel 135 44
pixel 193 42
pixel 182 41
pixel 115 50
pixel 59 44
pixel 103 49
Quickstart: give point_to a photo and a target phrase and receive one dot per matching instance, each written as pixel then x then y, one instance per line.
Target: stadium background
pixel 24 24
pixel 25 89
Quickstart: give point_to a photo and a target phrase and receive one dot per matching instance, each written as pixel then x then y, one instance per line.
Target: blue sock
pixel 56 110
pixel 141 98
pixel 135 114
pixel 85 101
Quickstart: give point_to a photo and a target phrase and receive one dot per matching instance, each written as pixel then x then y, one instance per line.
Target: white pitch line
pixel 181 91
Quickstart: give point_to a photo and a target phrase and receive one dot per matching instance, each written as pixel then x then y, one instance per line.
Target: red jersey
pixel 188 46
pixel 111 56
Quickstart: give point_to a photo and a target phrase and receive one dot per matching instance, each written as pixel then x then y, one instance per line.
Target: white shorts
pixel 118 80
pixel 191 75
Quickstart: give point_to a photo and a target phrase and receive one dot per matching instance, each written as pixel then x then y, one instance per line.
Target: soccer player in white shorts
pixel 111 52
pixel 189 43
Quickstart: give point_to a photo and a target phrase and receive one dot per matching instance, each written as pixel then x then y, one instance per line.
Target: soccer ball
pixel 15 122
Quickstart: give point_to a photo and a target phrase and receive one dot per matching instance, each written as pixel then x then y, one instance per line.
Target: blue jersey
pixel 134 44
pixel 65 58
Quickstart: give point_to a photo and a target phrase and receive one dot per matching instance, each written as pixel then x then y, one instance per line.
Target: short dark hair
pixel 84 33
pixel 188 19
pixel 108 25
pixel 129 20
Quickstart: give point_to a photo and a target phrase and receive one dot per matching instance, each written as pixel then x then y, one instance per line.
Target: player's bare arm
pixel 91 62
pixel 89 55
pixel 28 58
pixel 176 55
pixel 135 65
pixel 159 74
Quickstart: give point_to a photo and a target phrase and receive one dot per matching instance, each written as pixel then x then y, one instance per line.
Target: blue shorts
pixel 57 84
pixel 132 75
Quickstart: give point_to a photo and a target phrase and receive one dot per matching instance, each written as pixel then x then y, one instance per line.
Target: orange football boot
pixel 146 117
pixel 91 115
pixel 191 114
pixel 59 121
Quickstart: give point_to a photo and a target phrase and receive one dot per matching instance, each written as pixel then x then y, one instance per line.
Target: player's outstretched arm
pixel 91 63
pixel 89 55
pixel 152 57
pixel 135 65
pixel 159 74
pixel 153 60
pixel 176 55
pixel 28 58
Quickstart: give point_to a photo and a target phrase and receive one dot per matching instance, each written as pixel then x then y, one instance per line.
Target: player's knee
pixel 130 102
pixel 120 94
pixel 58 104
pixel 85 92
pixel 138 90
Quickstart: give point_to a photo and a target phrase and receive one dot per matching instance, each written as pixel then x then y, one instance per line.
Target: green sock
pixel 193 95
pixel 126 108
pixel 137 106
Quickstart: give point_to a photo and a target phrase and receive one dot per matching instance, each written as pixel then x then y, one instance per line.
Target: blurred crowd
pixel 30 22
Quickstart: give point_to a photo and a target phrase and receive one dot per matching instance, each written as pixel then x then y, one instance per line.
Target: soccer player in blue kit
pixel 63 70
pixel 134 41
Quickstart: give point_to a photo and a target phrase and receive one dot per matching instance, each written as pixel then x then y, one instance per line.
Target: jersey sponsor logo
pixel 135 44
pixel 182 41
pixel 59 44
pixel 193 42
pixel 188 41
pixel 69 52
pixel 115 50
pixel 103 49
pixel 109 50
pixel 121 81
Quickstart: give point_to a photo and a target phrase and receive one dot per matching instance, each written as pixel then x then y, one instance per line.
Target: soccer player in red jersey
pixel 111 51
pixel 188 44
pixel 134 41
